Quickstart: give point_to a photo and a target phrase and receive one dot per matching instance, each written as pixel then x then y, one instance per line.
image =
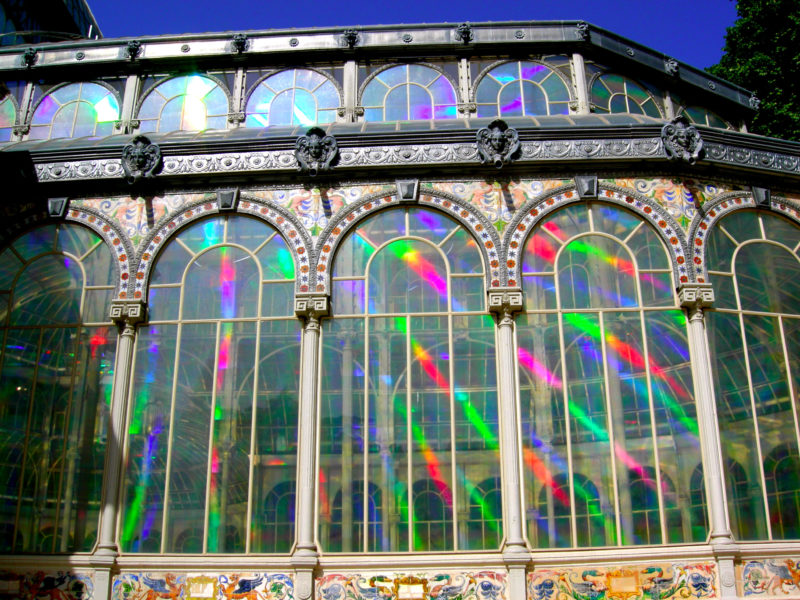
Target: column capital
pixel 505 301
pixel 128 312
pixel 311 307
pixel 696 295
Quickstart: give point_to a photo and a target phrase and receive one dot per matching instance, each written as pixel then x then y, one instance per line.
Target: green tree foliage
pixel 762 54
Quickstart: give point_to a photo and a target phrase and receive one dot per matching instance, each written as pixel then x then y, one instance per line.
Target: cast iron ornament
pixel 682 141
pixel 498 143
pixel 134 49
pixel 240 43
pixel 30 57
pixel 582 31
pixel 464 33
pixel 350 37
pixel 315 151
pixel 140 159
pixel 672 67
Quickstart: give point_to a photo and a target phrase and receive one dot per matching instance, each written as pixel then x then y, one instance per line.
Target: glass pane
pixel 249 233
pixel 540 292
pixel 430 225
pixel 347 297
pixel 272 527
pixel 588 419
pixel 657 289
pixel 596 272
pixel 462 253
pixel 407 276
pixel 614 220
pixel 230 449
pixel 736 426
pixel 477 431
pixel 189 438
pixel 776 289
pixel 781 230
pixel 41 239
pixel 468 293
pixel 48 292
pixel 222 283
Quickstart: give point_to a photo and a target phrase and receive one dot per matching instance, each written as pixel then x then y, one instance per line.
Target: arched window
pixel 75 110
pixel 278 519
pixel 408 92
pixel 738 496
pixel 782 472
pixel 296 97
pixel 521 88
pixel 604 373
pixel 644 492
pixel 408 394
pixel 704 116
pixel 613 93
pixel 553 520
pixel 754 337
pixel 8 117
pixel 56 365
pixel 213 422
pixel 185 103
pixel 352 511
pixel 485 526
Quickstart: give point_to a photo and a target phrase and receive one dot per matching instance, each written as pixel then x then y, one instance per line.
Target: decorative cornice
pixel 420 154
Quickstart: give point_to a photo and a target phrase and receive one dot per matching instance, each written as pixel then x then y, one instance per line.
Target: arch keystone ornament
pixel 682 141
pixel 315 151
pixel 498 143
pixel 141 159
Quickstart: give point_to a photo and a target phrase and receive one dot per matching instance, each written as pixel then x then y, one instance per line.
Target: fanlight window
pixel 408 92
pixel 408 392
pixel 212 433
pixel 297 97
pixel 75 110
pixel 57 362
pixel 522 88
pixel 185 103
pixel 605 382
pixel 703 116
pixel 8 117
pixel 617 94
pixel 754 333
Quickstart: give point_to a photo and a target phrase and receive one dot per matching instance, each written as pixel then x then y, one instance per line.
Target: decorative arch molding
pixel 272 72
pixel 726 203
pixel 222 85
pixel 297 239
pixel 377 72
pixel 115 239
pixel 651 211
pixel 539 61
pixel 467 215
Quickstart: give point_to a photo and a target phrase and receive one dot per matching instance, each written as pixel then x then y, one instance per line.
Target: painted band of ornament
pixel 285 160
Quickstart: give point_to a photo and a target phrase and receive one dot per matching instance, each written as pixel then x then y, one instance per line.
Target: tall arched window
pixel 521 88
pixel 56 365
pixel 8 117
pixel 408 394
pixel 75 110
pixel 185 103
pixel 613 93
pixel 408 92
pixel 605 376
pixel 296 97
pixel 213 422
pixel 754 336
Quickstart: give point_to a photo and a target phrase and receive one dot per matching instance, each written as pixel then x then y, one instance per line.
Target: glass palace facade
pixel 405 373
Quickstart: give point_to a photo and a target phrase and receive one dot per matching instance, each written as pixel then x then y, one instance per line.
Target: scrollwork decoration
pixel 140 159
pixel 682 141
pixel 498 143
pixel 315 151
pixel 582 31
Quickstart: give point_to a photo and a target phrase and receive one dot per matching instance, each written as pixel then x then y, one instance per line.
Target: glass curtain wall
pixel 56 367
pixel 610 435
pixel 409 450
pixel 754 336
pixel 212 432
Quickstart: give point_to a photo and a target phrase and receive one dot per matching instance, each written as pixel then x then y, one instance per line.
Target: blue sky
pixel 692 31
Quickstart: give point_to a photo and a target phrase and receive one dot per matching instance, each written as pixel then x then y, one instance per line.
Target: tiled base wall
pixel 767 578
pixel 56 585
pixel 666 581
